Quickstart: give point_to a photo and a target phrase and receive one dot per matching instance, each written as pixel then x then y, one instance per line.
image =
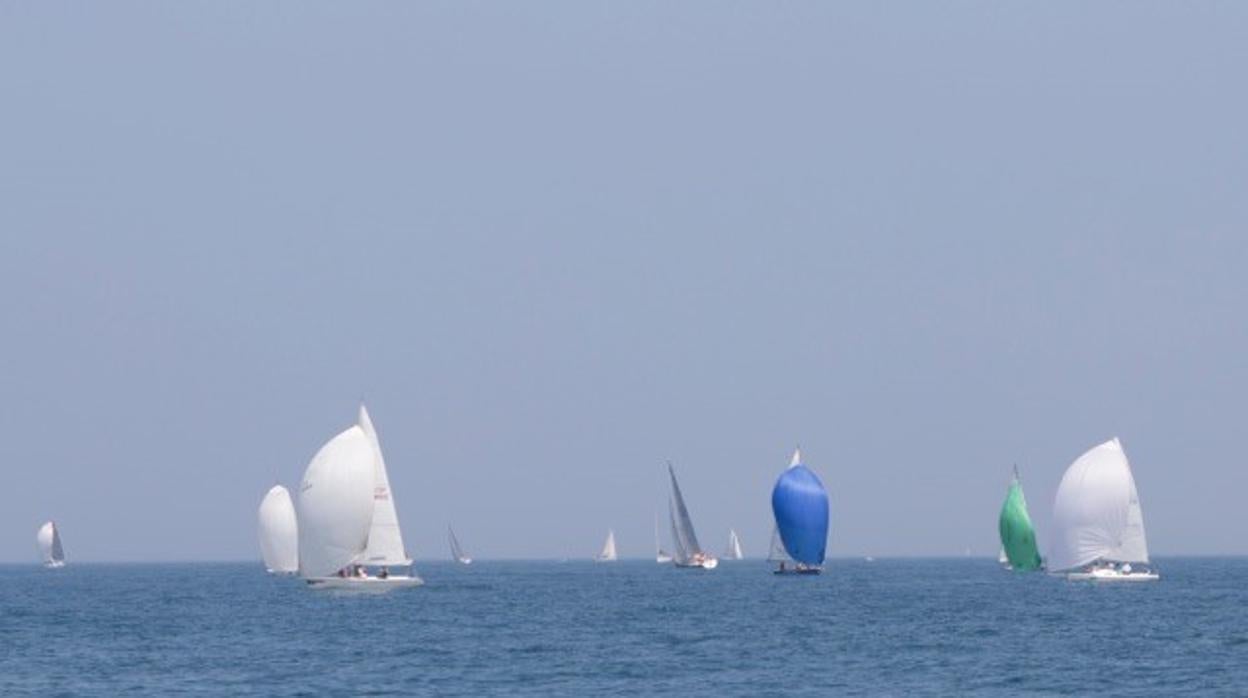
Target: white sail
pixel 776 551
pixel 684 538
pixel 385 540
pixel 50 549
pixel 457 552
pixel 279 532
pixel 336 504
pixel 733 552
pixel 608 549
pixel 1097 513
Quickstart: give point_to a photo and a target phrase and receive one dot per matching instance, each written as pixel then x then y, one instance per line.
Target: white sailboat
pixel 347 519
pixel 1098 520
pixel 608 549
pixel 688 552
pixel 661 556
pixel 1002 559
pixel 733 552
pixel 279 532
pixel 50 549
pixel 457 552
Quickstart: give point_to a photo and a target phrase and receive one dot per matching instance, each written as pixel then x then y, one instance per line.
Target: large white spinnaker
pixel 385 540
pixel 336 504
pixel 1096 514
pixel 50 549
pixel 279 532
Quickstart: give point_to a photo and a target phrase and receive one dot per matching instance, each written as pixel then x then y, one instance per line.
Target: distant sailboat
pixel 733 551
pixel 799 503
pixel 1018 537
pixel 661 556
pixel 279 532
pixel 688 552
pixel 457 552
pixel 1098 522
pixel 608 549
pixel 50 549
pixel 1003 559
pixel 347 518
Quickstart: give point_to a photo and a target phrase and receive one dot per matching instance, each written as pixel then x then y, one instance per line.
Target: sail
pixel 1018 537
pixel 776 551
pixel 335 509
pixel 683 536
pixel 1096 513
pixel 457 551
pixel 800 505
pixel 608 548
pixel 49 540
pixel 279 531
pixel 385 540
pixel 733 551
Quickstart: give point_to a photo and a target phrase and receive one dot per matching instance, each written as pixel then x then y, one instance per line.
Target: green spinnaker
pixel 1018 537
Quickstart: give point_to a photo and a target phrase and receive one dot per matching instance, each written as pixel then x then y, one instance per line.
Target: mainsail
pixel 800 505
pixel 776 551
pixel 385 540
pixel 50 549
pixel 733 552
pixel 1018 537
pixel 1096 513
pixel 608 549
pixel 336 504
pixel 279 531
pixel 457 552
pixel 683 536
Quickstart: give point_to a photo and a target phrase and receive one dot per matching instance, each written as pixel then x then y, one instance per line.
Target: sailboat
pixel 457 552
pixel 688 553
pixel 608 549
pixel 50 548
pixel 661 556
pixel 733 551
pixel 1098 520
pixel 347 519
pixel 279 532
pixel 799 503
pixel 1018 537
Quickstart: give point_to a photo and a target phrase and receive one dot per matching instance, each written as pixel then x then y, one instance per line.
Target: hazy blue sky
pixel 556 244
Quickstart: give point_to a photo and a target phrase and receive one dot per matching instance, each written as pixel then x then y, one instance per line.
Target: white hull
pixel 464 561
pixel 661 559
pixel 54 564
pixel 707 564
pixel 369 584
pixel 1112 576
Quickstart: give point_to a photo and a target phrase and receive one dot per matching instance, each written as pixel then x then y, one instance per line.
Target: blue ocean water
pixel 957 626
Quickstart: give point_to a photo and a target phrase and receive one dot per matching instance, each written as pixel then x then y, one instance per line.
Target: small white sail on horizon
pixel 51 551
pixel 608 549
pixel 661 556
pixel 279 532
pixel 733 551
pixel 457 551
pixel 1098 521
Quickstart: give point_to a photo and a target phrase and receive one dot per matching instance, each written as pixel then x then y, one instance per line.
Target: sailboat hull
pixel 1112 576
pixel 799 570
pixel 708 564
pixel 365 584
pixel 54 565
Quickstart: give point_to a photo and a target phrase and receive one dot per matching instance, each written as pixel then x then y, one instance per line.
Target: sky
pixel 554 245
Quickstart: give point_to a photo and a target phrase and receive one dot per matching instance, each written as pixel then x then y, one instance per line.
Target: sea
pixel 547 628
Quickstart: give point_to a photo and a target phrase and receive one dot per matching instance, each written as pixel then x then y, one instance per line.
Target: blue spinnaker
pixel 800 505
